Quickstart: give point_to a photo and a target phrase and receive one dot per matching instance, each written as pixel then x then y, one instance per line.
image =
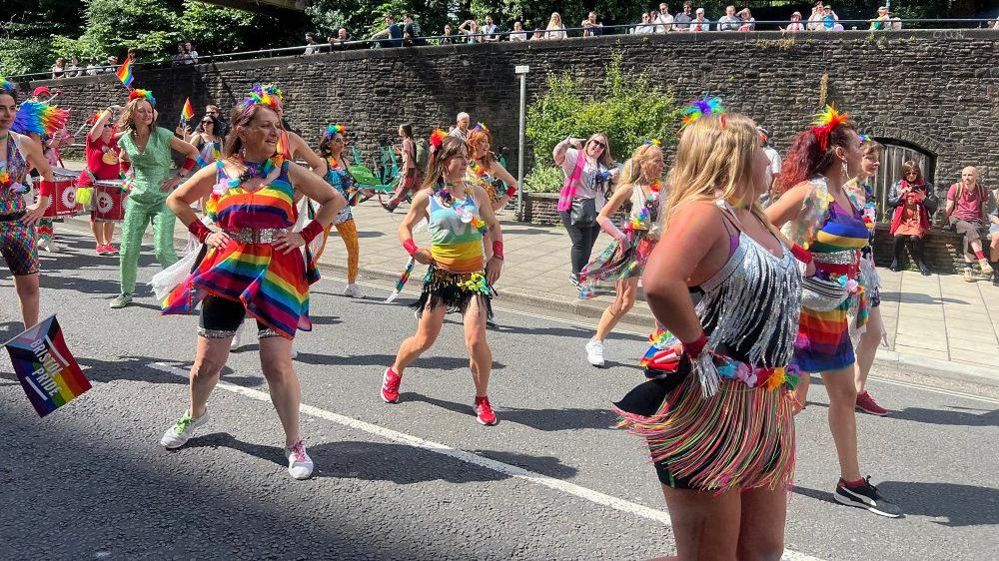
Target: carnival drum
pixel 109 200
pixel 63 201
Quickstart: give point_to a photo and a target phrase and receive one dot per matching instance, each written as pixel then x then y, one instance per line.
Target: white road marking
pixel 461 455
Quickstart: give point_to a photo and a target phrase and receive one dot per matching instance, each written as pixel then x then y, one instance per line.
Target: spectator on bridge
pixel 700 23
pixel 471 29
pixel 519 35
pixel 311 46
pixel 682 20
pixel 489 31
pixel 815 19
pixel 111 65
pixel 882 21
pixel 447 38
pixel 539 34
pixel 555 29
pixel 829 18
pixel 795 26
pixel 968 203
pixel 59 68
pixel 133 53
pixel 646 27
pixel 92 68
pixel 190 55
pixel 178 58
pixel 341 39
pixel 412 29
pixel 592 27
pixel 392 31
pixel 728 22
pixel 461 124
pixel 662 19
pixel 748 23
pixel 73 69
pixel 912 201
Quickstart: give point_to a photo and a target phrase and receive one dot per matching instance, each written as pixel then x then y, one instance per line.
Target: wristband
pixel 801 254
pixel 498 249
pixel 46 188
pixel 311 230
pixel 511 191
pixel 199 230
pixel 410 246
pixel 189 164
pixel 693 349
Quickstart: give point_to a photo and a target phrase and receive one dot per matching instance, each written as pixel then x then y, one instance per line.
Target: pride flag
pixel 188 112
pixel 46 369
pixel 125 72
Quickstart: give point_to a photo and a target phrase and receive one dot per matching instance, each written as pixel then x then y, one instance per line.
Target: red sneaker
pixel 390 386
pixel 110 249
pixel 100 249
pixel 484 411
pixel 867 404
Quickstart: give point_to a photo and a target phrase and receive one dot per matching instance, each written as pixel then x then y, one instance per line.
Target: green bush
pixel 544 178
pixel 628 107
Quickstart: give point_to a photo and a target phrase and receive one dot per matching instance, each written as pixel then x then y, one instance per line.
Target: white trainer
pixel 300 465
pixel 182 431
pixel 353 291
pixel 595 353
pixel 294 353
pixel 237 339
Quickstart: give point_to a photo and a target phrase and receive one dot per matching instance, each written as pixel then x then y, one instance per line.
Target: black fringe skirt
pixel 454 291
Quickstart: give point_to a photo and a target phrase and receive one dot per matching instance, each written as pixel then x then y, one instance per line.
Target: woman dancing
pixel 817 213
pixel 624 260
pixel 458 280
pixel 718 415
pixel 331 149
pixel 147 147
pixel 254 265
pixel 485 170
pixel 103 164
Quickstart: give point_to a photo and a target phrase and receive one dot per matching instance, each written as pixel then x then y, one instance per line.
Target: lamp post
pixel 521 71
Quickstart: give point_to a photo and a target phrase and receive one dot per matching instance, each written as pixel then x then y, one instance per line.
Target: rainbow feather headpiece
pixel 436 138
pixel 142 94
pixel 698 108
pixel 480 127
pixel 653 142
pixel 333 130
pixel 8 87
pixel 267 95
pixel 272 90
pixel 826 122
pixel 864 138
pixel 36 117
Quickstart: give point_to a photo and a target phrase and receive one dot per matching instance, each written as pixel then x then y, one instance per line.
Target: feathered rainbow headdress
pixel 864 138
pixel 333 130
pixel 436 138
pixel 8 87
pixel 272 90
pixel 826 122
pixel 36 117
pixel 698 108
pixel 142 94
pixel 653 142
pixel 267 95
pixel 480 127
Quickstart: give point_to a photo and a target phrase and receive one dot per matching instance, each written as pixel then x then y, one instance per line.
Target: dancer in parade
pixel 458 279
pixel 485 170
pixel 717 414
pixel 412 175
pixel 18 219
pixel 254 265
pixel 331 148
pixel 816 212
pixel 147 147
pixel 103 164
pixel 624 260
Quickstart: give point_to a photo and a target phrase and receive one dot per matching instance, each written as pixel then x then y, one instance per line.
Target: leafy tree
pixel 113 26
pixel 220 30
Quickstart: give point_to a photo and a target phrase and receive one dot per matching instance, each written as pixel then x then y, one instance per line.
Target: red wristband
pixel 693 349
pixel 511 191
pixel 498 249
pixel 189 164
pixel 199 230
pixel 311 230
pixel 801 254
pixel 410 246
pixel 46 188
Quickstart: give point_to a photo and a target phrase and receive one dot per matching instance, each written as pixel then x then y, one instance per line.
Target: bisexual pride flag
pixel 47 371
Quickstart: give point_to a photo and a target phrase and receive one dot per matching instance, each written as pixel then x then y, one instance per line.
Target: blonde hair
pixel 606 159
pixel 716 153
pixel 631 173
pixel 126 123
pixel 554 21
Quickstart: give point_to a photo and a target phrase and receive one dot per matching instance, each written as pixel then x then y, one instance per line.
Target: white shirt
pixel 644 29
pixel 489 29
pixel 665 21
pixel 555 33
pixel 312 49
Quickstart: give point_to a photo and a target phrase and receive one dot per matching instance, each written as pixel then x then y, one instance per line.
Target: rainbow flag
pixel 188 112
pixel 125 72
pixel 46 369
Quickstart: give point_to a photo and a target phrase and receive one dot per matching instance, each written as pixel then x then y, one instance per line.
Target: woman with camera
pixel 589 169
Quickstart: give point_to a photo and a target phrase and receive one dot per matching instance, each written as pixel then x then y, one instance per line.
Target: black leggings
pixel 221 317
pixel 583 238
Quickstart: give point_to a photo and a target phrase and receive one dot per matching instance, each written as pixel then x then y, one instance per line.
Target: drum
pixel 109 201
pixel 63 201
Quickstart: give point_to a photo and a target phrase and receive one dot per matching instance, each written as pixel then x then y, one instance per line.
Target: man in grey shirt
pixel 681 22
pixel 729 22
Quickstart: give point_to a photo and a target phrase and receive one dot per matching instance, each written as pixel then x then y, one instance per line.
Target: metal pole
pixel 520 146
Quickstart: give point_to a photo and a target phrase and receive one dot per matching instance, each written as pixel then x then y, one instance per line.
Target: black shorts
pixel 221 317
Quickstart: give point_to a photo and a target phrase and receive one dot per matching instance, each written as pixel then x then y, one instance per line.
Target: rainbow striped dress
pixel 835 236
pixel 272 285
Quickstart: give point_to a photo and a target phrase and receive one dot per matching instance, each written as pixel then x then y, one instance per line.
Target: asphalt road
pixel 421 479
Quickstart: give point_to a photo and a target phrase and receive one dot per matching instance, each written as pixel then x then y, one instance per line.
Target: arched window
pixel 896 152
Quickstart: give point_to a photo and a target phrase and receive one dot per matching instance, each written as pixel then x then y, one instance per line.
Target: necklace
pixel 443 193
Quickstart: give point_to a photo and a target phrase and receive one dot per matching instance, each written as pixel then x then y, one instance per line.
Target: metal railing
pixel 952 31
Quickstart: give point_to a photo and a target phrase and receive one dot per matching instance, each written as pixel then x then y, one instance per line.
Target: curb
pixel 901 366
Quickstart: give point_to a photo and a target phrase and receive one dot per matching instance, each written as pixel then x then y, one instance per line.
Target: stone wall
pixel 935 90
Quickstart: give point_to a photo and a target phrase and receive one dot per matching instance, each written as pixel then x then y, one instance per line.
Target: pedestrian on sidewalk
pixel 913 202
pixel 817 213
pixel 867 343
pixel 624 259
pixel 331 148
pixel 967 206
pixel 461 218
pixel 589 170
pixel 718 419
pixel 412 175
pixel 147 147
pixel 103 164
pixel 254 265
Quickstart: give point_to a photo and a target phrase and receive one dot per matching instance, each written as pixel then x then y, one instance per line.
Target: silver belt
pixel 846 257
pixel 255 235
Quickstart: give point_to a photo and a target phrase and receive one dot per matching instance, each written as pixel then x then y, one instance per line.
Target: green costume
pixel 145 203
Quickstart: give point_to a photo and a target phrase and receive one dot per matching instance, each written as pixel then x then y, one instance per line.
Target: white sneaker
pixel 182 431
pixel 595 353
pixel 237 339
pixel 294 353
pixel 353 291
pixel 299 463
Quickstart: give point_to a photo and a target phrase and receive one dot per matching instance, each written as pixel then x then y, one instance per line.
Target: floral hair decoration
pixel 333 130
pixel 826 122
pixel 436 138
pixel 7 87
pixel 142 94
pixel 703 107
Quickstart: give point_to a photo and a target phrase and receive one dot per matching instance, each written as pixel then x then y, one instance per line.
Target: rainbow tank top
pixel 455 235
pixel 12 174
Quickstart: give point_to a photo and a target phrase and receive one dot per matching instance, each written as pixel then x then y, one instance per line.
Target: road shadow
pixel 541 419
pixel 324 320
pixel 961 505
pixel 918 298
pixel 386 461
pixel 144 369
pixel 963 416
pixel 383 360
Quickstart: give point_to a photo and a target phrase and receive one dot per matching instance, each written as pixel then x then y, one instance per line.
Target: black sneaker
pixel 574 279
pixel 866 497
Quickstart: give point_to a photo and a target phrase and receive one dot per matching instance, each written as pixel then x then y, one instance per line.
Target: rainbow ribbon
pixel 403 279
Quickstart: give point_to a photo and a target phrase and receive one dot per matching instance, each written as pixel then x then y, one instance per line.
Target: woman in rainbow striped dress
pixel 252 266
pixel 459 279
pixel 817 213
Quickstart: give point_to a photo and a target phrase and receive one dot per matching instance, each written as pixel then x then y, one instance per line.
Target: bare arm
pixel 501 173
pixel 495 264
pixel 622 194
pixel 35 156
pixel 196 188
pixel 185 148
pixel 301 148
pixel 559 152
pixel 789 206
pixel 98 129
pixel 417 210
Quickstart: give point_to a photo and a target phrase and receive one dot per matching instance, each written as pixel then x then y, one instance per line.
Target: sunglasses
pixel 207 122
pixel 599 144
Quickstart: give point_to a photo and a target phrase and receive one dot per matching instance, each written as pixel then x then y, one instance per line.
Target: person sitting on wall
pixel 913 202
pixel 967 205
